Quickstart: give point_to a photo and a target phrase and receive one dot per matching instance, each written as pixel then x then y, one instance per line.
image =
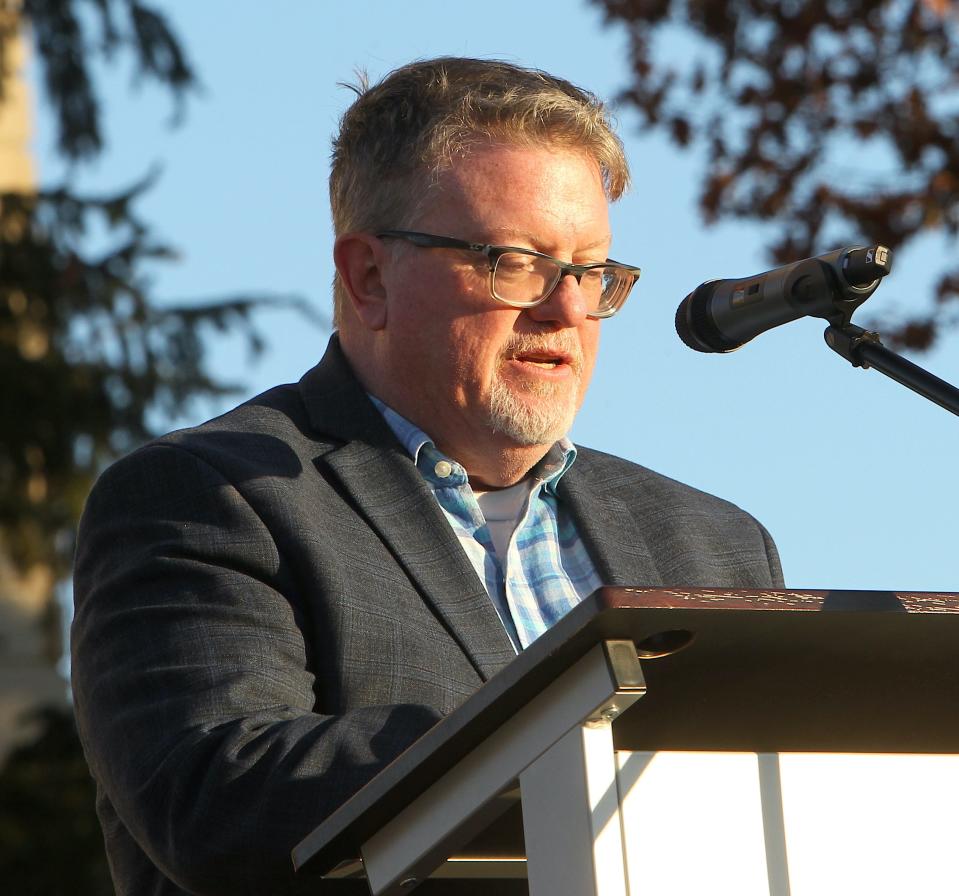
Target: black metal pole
pixel 862 348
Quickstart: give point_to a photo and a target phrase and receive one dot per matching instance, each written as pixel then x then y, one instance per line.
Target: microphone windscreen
pixel 694 324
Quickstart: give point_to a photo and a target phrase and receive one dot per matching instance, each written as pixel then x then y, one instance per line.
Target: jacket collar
pixel 617 540
pixel 336 403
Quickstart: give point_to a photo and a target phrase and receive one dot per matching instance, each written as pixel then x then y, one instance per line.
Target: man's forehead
pixel 499 171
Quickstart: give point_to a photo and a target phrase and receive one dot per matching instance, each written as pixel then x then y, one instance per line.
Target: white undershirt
pixel 503 509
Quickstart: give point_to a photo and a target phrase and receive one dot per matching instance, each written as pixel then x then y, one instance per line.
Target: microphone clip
pixel 847 339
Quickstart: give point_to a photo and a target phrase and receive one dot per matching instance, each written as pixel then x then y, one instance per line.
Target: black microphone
pixel 722 315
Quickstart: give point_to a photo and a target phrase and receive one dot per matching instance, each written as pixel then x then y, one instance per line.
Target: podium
pixel 684 741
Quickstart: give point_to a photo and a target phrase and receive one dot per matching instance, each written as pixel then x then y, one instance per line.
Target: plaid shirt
pixel 547 570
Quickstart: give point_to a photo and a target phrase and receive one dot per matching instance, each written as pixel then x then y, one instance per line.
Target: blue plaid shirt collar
pixel 440 470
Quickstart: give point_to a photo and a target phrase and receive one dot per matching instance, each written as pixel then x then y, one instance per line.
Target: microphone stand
pixel 862 348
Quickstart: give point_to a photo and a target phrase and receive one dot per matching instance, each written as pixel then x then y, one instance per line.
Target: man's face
pixel 473 373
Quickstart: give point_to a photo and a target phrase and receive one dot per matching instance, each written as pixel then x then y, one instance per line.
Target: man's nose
pixel 566 304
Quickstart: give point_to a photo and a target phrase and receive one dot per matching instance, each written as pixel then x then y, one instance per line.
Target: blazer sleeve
pixel 775 565
pixel 191 680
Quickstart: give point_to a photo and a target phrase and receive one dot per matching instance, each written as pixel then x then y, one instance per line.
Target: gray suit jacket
pixel 271 606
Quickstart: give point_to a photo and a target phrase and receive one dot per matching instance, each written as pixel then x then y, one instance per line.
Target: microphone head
pixel 695 326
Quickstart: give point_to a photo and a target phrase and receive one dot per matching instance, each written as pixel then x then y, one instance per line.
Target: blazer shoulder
pixel 611 473
pixel 266 432
pixel 326 409
pixel 684 520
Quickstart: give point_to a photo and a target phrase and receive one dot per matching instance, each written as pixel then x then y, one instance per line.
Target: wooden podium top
pixel 756 671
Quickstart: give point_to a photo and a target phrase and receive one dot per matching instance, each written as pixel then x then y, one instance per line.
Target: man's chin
pixel 530 420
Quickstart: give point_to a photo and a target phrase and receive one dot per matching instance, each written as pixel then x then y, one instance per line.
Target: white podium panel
pixel 872 824
pixel 795 824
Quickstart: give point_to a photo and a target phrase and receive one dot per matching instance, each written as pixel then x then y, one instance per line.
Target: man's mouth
pixel 545 359
pixel 557 358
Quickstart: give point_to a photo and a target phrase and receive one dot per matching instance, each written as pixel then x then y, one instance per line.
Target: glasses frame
pixel 494 253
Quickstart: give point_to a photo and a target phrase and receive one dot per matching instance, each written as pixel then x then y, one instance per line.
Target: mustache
pixel 562 344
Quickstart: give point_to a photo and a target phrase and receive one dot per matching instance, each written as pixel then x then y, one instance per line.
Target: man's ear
pixel 358 258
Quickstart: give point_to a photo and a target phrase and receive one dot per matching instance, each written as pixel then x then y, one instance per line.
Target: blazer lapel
pixel 615 539
pixel 399 506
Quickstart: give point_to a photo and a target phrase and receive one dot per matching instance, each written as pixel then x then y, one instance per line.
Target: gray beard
pixel 544 417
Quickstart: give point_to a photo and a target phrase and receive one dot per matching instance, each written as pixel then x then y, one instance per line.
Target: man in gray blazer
pixel 273 605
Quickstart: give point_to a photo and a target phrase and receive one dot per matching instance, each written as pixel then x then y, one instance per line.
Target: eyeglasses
pixel 523 278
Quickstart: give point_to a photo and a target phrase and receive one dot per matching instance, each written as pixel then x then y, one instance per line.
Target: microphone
pixel 723 315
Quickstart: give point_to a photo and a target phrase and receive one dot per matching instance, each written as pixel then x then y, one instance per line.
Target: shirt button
pixel 443 468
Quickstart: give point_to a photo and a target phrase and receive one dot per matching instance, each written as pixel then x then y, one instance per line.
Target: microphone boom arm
pixel 862 348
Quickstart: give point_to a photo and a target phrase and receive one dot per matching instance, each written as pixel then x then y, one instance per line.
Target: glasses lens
pixel 523 279
pixel 593 284
pixel 606 289
pixel 616 285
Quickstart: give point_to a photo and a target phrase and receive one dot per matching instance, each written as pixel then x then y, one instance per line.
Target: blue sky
pixel 854 475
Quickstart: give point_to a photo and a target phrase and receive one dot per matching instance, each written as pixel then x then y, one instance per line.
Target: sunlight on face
pixel 478 376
